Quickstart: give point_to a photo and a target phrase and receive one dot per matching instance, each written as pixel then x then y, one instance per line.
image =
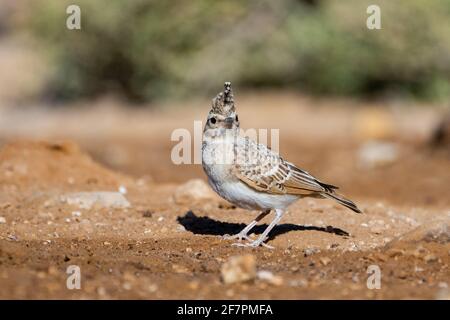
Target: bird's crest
pixel 223 103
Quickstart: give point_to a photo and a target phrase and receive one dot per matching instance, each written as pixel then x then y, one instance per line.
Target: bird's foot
pixel 253 244
pixel 239 236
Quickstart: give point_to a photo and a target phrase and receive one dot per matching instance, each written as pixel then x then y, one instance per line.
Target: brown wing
pixel 264 170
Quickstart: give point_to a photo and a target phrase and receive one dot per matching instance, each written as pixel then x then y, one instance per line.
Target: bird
pixel 252 176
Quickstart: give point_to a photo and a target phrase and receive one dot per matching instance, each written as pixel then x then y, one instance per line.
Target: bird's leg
pixel 243 234
pixel 260 241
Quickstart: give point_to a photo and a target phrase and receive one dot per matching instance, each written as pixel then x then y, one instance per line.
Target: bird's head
pixel 222 115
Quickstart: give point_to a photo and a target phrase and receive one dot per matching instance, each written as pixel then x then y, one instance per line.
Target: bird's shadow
pixel 208 226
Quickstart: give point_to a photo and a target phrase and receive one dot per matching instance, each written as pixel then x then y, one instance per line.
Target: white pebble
pixel 76 214
pixel 123 190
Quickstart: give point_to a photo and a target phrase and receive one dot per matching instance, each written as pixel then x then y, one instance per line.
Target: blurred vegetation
pixel 150 49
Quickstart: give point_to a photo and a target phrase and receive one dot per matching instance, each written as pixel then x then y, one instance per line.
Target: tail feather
pixel 345 202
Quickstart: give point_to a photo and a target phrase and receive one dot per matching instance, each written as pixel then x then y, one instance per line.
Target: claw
pixel 252 244
pixel 238 236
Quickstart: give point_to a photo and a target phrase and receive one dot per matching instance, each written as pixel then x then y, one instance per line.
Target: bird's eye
pixel 213 120
pixel 237 119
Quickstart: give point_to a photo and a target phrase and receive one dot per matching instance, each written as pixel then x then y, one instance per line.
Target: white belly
pixel 243 196
pixel 232 189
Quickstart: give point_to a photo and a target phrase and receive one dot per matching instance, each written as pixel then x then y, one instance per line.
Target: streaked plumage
pixel 249 174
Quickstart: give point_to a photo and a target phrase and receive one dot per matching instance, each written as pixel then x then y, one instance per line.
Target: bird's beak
pixel 229 122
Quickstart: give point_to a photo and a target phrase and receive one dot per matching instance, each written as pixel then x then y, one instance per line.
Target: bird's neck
pixel 220 134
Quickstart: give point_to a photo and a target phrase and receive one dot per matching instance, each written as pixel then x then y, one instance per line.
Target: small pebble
pixel 123 190
pixel 13 237
pixel 269 277
pixel 101 291
pixel 152 288
pixel 239 269
pixel 76 214
pixel 325 260
pixel 430 258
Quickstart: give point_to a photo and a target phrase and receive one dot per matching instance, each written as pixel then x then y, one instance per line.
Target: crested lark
pixel 250 175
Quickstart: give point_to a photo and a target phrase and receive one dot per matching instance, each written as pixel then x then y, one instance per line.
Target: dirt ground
pixel 167 243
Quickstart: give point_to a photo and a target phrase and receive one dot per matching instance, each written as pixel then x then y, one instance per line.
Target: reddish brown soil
pixel 170 247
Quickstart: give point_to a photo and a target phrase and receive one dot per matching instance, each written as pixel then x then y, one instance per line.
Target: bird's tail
pixel 345 202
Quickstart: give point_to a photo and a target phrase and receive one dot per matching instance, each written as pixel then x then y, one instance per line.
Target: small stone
pixel 229 293
pixel 430 258
pixel 147 214
pixel 239 269
pixel 179 269
pixel 269 277
pixel 193 190
pixel 194 285
pixel 310 251
pixel 298 283
pixel 123 190
pixel 2 220
pixel 102 199
pixel 126 285
pixel 12 237
pixel 325 260
pixel 152 288
pixel 418 269
pixel 76 214
pixel 101 291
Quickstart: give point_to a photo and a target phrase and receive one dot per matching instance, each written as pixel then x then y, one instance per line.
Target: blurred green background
pixel 145 49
